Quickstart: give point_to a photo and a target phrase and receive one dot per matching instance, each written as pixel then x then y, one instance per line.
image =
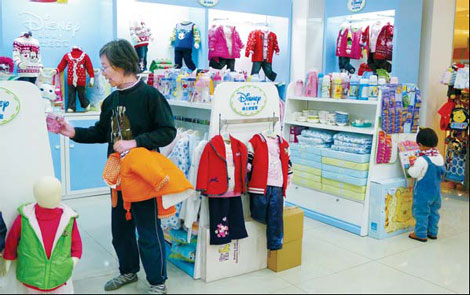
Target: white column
pixel 436 55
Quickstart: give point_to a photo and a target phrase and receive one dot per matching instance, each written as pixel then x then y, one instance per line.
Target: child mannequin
pixel 428 170
pixel 45 241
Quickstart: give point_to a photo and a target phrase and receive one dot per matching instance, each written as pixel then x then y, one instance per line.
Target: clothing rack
pixel 225 123
pixel 192 120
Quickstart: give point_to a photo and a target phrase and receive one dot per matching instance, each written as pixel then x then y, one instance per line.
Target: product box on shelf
pixel 390 211
pixel 291 253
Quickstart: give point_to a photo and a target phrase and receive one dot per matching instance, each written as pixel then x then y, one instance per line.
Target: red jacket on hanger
pixel 79 64
pixel 212 176
pixel 384 48
pixel 255 44
pixel 259 176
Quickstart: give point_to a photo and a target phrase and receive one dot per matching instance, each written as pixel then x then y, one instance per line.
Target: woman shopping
pixel 135 115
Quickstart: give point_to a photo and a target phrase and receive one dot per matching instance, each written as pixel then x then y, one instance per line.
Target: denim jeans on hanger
pixel 344 64
pixel 142 54
pixel 150 246
pixel 185 54
pixel 267 69
pixel 229 62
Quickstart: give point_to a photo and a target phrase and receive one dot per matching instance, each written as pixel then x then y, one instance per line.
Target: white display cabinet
pixel 349 214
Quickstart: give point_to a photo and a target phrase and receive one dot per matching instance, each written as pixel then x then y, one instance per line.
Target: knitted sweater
pixel 26 56
pixel 79 64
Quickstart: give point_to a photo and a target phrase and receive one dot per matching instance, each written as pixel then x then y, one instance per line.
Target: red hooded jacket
pixel 212 178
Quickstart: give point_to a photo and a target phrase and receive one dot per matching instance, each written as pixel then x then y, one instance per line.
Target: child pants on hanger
pixel 268 209
pixel 226 220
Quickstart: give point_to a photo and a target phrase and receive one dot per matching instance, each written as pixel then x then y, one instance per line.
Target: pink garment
pixel 212 40
pixel 275 177
pixel 218 44
pixel 348 43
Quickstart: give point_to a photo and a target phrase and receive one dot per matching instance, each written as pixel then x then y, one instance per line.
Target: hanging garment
pixel 384 48
pixel 226 43
pixel 255 46
pixel 27 56
pixel 185 35
pixel 180 157
pixel 226 220
pixel 190 207
pixel 79 64
pixel 212 179
pixel 348 43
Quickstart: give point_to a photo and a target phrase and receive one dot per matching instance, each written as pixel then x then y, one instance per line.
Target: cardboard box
pixel 288 257
pixel 291 253
pixel 390 211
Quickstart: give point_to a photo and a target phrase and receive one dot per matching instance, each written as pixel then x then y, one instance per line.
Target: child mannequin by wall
pixel 45 241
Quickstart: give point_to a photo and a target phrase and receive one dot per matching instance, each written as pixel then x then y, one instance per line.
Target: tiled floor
pixel 333 261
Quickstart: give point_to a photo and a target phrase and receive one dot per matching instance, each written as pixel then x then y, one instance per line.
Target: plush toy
pixel 44 240
pixel 49 96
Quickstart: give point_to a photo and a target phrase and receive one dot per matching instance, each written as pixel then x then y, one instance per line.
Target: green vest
pixel 33 267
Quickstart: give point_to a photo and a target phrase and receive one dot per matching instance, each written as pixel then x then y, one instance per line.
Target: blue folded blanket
pixel 353 138
pixel 325 135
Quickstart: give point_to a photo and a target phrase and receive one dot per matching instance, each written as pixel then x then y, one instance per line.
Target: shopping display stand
pixel 349 214
pixel 241 109
pixel 26 155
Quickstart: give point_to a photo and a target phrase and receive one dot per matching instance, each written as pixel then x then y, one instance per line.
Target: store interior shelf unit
pixel 334 100
pixel 333 127
pixel 340 211
pixel 187 104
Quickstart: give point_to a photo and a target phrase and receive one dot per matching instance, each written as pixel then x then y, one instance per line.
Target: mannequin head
pixel 47 192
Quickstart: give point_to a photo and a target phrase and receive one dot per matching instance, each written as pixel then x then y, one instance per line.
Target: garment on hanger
pixel 27 56
pixel 384 46
pixel 142 35
pixel 270 172
pixel 224 47
pixel 255 46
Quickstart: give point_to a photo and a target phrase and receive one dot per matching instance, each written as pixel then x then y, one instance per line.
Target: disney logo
pixel 246 97
pixel 36 23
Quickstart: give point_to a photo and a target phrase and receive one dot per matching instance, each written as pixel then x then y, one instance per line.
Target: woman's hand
pixel 65 128
pixel 122 146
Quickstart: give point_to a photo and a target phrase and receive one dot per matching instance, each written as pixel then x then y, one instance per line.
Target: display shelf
pixel 334 100
pixel 351 129
pixel 328 193
pixel 187 104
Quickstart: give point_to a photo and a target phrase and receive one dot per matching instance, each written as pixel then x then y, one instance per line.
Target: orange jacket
pixel 148 174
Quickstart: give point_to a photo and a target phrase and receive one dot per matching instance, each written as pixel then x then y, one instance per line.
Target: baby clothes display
pixel 221 177
pixel 224 47
pixel 185 35
pixel 270 171
pixel 141 35
pixel 43 241
pixel 261 45
pixel 348 46
pixel 79 64
pixel 27 57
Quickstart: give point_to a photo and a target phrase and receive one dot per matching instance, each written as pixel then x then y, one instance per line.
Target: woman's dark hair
pixel 427 137
pixel 121 54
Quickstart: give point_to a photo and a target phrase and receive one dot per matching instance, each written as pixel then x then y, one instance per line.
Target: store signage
pixel 208 3
pixel 356 5
pixel 9 106
pixel 50 33
pixel 248 100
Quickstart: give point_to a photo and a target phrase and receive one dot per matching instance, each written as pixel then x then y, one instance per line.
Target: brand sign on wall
pixel 248 100
pixel 9 106
pixel 208 3
pixel 356 5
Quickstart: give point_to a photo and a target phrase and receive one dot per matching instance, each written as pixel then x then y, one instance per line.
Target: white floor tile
pixel 444 262
pixel 95 260
pixel 290 290
pixel 372 277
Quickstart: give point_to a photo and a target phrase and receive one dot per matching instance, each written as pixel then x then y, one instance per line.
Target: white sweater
pixel 420 167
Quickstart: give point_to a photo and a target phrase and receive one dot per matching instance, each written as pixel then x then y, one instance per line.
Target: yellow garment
pixel 148 174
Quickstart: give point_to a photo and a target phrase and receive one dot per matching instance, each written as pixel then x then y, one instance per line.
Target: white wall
pixel 436 55
pixel 307 37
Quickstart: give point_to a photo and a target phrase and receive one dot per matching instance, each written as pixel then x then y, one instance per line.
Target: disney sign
pixel 9 106
pixel 248 100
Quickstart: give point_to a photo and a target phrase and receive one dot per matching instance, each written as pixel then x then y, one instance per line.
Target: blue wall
pixel 407 34
pixel 96 21
pixel 86 23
